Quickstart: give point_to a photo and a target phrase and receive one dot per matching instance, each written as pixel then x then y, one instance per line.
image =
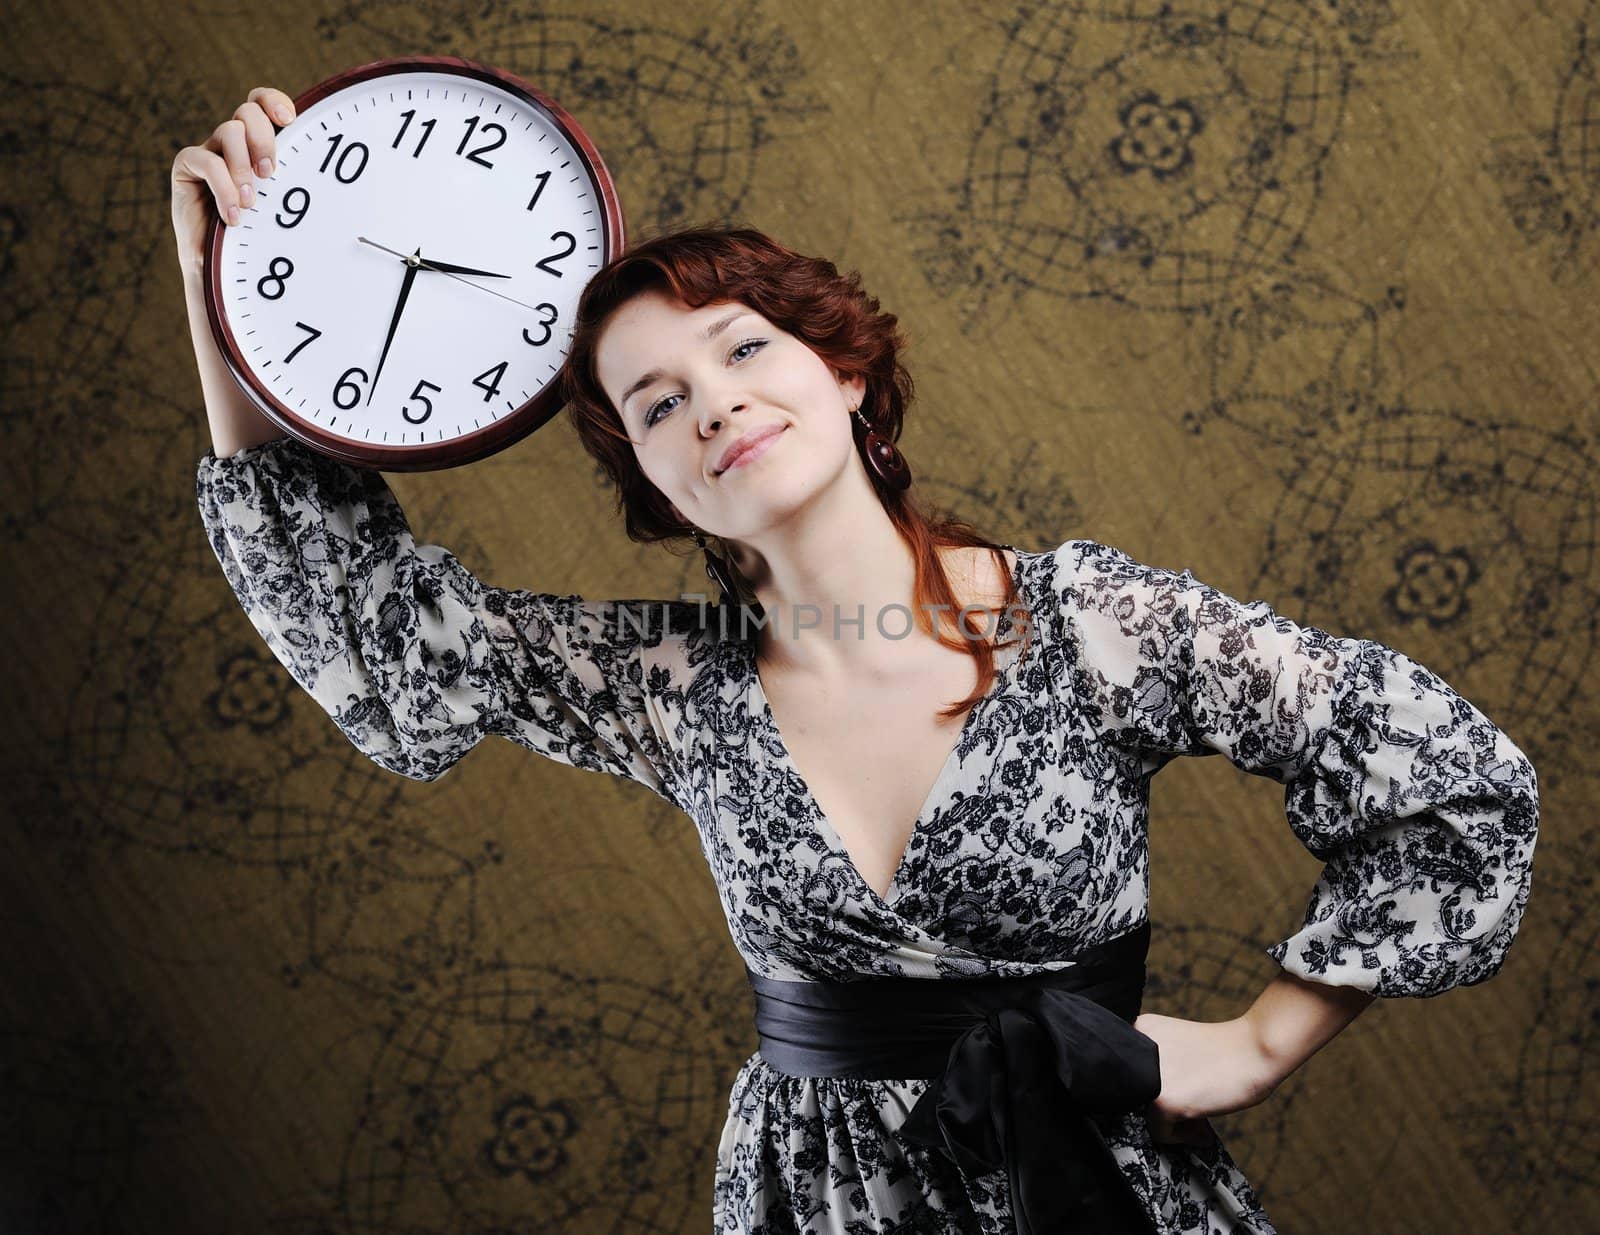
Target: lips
pixel 749 441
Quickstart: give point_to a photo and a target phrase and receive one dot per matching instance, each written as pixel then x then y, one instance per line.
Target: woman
pixel 928 835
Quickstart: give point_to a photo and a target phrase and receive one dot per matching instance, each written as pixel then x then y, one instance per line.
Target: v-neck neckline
pixel 1006 661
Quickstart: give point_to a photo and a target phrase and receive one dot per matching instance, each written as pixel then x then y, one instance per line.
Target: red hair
pixel 836 319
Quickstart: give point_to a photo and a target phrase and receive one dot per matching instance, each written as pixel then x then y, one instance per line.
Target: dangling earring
pixel 716 569
pixel 884 457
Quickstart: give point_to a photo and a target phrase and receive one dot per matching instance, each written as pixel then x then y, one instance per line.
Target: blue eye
pixel 650 416
pixel 650 412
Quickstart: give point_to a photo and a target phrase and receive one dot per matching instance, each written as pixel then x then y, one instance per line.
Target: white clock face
pixel 461 170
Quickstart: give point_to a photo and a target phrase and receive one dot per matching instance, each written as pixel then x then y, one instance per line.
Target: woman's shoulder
pixel 975 575
pixel 1080 555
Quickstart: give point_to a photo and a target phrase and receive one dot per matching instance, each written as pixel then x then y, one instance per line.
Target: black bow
pixel 1018 1090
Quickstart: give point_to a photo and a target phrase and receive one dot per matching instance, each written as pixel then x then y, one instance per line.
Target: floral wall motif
pixel 1295 293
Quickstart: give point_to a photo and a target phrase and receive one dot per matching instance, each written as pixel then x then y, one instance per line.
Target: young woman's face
pixel 689 383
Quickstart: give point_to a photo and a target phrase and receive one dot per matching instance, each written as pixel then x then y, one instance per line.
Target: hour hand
pixel 433 263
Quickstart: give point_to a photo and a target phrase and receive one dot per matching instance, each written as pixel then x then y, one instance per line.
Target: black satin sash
pixel 1017 1066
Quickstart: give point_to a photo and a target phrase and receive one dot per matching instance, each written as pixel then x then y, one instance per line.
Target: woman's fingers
pixel 247 145
pixel 205 166
pixel 225 167
pixel 229 139
pixel 259 139
pixel 274 103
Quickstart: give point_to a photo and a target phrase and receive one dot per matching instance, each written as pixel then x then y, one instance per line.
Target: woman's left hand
pixel 1207 1068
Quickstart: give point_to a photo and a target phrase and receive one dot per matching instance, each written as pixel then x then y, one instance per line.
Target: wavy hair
pixel 831 314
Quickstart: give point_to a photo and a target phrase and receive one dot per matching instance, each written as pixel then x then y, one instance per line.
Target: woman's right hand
pixel 223 170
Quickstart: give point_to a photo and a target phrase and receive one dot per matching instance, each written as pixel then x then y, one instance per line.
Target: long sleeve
pixel 413 658
pixel 1424 813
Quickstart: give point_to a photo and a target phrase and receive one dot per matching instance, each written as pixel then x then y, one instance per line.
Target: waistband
pixel 1017 1066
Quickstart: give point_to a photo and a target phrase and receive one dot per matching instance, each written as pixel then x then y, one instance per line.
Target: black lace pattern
pixel 1030 845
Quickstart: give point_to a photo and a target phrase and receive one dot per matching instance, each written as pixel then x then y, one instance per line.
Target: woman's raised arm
pixel 411 655
pixel 413 658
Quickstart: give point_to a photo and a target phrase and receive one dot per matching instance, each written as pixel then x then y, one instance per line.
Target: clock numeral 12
pixel 472 123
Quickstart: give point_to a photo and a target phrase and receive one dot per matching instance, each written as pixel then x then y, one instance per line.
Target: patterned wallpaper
pixel 1299 294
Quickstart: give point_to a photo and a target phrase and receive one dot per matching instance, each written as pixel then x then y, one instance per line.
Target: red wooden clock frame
pixel 504 430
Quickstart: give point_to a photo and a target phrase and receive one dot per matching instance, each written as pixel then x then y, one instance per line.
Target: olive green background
pixel 1334 348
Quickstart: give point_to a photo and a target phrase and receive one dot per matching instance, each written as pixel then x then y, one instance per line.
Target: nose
pixel 715 415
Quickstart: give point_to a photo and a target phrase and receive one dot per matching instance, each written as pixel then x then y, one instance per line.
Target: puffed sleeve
pixel 412 657
pixel 1424 813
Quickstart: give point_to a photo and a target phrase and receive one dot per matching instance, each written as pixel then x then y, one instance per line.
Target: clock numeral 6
pixel 544 322
pixel 339 167
pixel 425 401
pixel 275 278
pixel 298 211
pixel 544 262
pixel 344 383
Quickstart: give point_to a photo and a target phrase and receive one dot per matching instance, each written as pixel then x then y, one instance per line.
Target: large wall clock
pixel 400 295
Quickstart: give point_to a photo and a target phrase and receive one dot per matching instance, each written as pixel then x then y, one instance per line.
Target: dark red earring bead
pixel 884 457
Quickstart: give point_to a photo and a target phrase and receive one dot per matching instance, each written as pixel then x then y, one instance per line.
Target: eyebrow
pixel 655 375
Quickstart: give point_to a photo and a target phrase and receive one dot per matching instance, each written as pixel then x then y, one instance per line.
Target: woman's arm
pixel 236 422
pixel 412 656
pixel 1424 813
pixel 1293 1019
pixel 1217 1067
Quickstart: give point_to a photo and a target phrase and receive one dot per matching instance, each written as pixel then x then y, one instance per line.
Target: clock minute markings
pixel 340 161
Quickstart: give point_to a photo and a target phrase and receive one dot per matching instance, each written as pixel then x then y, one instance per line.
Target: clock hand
pixel 433 263
pixel 412 266
pixel 429 266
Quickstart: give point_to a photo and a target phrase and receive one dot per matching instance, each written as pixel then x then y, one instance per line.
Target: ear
pixel 853 388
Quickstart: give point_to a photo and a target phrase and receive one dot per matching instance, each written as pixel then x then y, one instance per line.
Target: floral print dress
pixel 1030 844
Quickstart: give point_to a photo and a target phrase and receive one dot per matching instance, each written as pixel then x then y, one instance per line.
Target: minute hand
pixel 394 322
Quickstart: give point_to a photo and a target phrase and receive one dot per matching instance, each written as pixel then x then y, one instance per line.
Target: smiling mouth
pixel 757 448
